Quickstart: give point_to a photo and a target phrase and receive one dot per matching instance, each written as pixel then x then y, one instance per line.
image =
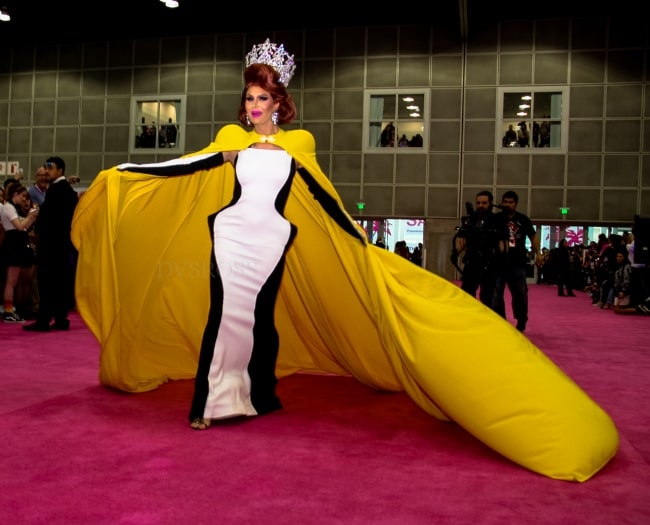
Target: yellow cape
pixel 344 307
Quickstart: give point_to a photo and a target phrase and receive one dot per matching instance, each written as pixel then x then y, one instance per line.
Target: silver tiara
pixel 275 56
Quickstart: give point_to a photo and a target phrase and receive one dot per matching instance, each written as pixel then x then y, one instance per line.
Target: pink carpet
pixel 74 452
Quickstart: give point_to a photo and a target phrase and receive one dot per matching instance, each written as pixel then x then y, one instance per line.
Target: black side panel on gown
pixel 330 205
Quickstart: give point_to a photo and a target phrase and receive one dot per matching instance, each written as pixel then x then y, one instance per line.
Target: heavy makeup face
pixel 260 106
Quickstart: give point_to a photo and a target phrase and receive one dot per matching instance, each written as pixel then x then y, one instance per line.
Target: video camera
pixel 469 224
pixel 479 233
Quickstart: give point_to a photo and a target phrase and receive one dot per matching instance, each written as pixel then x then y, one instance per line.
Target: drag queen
pixel 281 279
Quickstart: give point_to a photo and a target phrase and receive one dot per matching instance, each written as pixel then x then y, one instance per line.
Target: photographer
pixel 481 242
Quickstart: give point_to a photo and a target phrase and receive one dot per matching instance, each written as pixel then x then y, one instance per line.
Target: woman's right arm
pixel 24 223
pixel 181 165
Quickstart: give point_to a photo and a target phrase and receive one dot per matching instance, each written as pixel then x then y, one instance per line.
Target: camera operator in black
pixel 481 242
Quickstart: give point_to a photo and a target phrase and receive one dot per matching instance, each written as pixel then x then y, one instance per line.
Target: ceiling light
pixel 4 14
pixel 408 99
pixel 171 3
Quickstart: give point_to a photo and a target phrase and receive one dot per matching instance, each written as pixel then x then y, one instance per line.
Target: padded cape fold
pixel 345 307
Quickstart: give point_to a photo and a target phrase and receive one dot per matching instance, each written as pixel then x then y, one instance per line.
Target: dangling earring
pixel 248 121
pixel 274 118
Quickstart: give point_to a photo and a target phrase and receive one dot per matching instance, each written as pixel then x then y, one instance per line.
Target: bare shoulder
pixel 229 156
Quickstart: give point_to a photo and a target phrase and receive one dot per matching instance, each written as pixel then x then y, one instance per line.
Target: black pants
pixel 478 278
pixel 514 277
pixel 55 286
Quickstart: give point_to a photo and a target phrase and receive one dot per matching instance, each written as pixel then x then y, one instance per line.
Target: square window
pixel 395 119
pixel 533 121
pixel 158 124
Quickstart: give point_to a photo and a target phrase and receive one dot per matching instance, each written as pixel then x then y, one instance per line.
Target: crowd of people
pixel 605 269
pixel 37 259
pixel 490 253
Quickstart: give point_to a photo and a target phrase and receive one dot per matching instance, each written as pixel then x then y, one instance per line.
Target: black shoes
pixel 571 294
pixel 61 325
pixel 521 325
pixel 37 326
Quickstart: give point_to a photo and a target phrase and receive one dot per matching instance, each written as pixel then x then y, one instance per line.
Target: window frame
pixel 368 122
pixel 562 120
pixel 178 101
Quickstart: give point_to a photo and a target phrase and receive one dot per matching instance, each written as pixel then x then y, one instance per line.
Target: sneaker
pixel 643 309
pixel 12 317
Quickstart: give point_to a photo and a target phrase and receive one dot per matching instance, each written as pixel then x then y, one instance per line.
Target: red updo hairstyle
pixel 267 78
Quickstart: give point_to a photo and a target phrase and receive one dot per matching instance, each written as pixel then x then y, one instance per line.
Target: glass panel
pixel 517 105
pixel 548 105
pixel 409 134
pixel 534 117
pixel 382 116
pixel 410 106
pixel 145 134
pixel 547 133
pixel 515 128
pixel 148 134
pixel 410 124
pixel 395 119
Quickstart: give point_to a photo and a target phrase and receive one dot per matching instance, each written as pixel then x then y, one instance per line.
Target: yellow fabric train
pixel 345 307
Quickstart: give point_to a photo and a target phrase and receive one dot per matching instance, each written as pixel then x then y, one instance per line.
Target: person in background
pixel 523 135
pixel 510 138
pixel 37 192
pixel 55 252
pixel 606 268
pixel 564 277
pixel 38 189
pixel 619 294
pixel 640 285
pixel 2 237
pixel 16 252
pixel 513 273
pixel 401 248
pixel 416 256
pixel 542 277
pixel 482 245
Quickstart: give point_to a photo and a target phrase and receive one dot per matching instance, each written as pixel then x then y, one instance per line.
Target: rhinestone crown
pixel 275 56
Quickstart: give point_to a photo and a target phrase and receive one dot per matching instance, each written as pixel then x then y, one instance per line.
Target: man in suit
pixel 56 253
